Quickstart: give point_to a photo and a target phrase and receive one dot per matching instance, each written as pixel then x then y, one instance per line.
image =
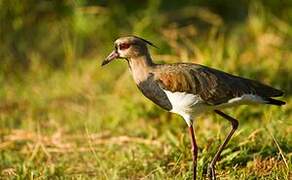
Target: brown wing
pixel 175 81
pixel 213 86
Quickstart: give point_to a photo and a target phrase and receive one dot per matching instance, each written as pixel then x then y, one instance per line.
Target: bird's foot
pixel 211 172
pixel 194 170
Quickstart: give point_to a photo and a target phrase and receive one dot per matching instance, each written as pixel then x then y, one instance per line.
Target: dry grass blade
pixel 280 150
pixel 64 143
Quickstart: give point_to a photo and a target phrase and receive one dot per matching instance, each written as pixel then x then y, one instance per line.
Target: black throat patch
pixel 151 89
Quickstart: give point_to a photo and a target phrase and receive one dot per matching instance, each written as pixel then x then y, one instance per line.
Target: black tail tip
pixel 275 102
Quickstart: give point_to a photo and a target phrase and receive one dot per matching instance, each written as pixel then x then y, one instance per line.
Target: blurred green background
pixel 63 116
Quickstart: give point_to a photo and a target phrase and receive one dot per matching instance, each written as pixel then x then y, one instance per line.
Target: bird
pixel 190 89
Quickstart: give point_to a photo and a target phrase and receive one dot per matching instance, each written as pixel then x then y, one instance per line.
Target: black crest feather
pixel 146 41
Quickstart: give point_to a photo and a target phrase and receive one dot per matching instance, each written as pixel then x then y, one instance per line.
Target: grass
pixel 87 122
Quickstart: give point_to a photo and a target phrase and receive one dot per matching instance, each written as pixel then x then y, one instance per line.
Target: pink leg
pixel 194 151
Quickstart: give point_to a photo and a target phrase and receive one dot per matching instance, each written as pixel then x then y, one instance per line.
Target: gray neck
pixel 143 60
pixel 140 67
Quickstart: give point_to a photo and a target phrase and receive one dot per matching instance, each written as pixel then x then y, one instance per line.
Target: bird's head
pixel 128 47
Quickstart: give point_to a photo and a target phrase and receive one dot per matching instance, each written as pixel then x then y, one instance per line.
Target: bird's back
pixel 213 86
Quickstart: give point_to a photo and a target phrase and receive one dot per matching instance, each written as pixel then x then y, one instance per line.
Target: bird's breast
pixel 151 89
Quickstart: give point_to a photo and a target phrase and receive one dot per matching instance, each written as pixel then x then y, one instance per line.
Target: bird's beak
pixel 113 55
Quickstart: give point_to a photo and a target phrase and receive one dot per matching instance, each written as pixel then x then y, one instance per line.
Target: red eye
pixel 124 46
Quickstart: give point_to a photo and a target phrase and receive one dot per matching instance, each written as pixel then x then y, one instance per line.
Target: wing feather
pixel 213 86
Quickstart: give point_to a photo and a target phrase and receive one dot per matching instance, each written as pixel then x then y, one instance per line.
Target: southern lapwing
pixel 190 89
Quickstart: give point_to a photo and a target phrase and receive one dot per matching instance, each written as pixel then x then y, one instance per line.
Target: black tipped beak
pixel 104 62
pixel 112 56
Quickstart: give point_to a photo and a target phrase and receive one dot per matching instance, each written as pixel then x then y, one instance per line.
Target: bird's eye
pixel 124 46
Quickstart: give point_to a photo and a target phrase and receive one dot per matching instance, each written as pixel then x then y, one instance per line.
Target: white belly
pixel 189 105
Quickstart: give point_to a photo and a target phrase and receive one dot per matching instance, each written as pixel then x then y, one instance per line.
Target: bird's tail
pixel 274 101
